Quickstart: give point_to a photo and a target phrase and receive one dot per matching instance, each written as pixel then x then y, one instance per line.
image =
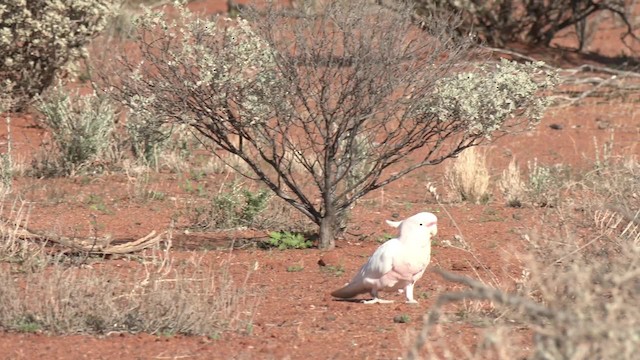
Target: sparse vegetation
pixel 322 108
pixel 402 319
pixel 81 127
pixel 546 183
pixel 231 81
pixel 335 270
pixel 147 137
pixel 295 268
pixel 233 207
pixel 158 297
pixel 286 240
pixel 578 294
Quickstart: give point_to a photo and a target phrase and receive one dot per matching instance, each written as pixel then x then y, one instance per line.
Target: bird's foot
pixel 377 301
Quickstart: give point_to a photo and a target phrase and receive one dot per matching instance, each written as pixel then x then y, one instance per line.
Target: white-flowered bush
pixel 491 95
pixel 321 106
pixel 38 38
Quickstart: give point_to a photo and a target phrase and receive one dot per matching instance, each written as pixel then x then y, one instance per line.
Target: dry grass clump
pixel 580 287
pixel 469 176
pixel 512 185
pixel 159 295
pixel 163 296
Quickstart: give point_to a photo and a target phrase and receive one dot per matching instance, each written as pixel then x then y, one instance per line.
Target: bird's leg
pixel 409 294
pixel 376 299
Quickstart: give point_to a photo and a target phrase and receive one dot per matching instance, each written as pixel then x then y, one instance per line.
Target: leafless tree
pixel 324 107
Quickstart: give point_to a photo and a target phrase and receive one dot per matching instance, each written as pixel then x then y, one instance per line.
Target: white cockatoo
pixel 398 263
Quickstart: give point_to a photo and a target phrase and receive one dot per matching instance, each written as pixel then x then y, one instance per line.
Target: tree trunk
pixel 328 231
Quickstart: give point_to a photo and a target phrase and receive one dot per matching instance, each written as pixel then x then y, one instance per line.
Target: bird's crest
pixel 394 224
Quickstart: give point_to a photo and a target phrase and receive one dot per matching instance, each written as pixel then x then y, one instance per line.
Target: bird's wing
pixel 380 263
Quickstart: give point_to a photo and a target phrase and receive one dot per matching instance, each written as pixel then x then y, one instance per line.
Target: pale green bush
pixel 546 183
pixel 38 38
pixel 147 136
pixel 81 128
pixel 232 207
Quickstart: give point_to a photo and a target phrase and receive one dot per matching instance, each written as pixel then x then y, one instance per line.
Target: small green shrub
pixel 295 268
pixel 286 240
pixel 147 136
pixel 335 270
pixel 81 128
pixel 28 325
pixel 402 319
pixel 96 203
pixel 384 238
pixel 545 183
pixel 237 207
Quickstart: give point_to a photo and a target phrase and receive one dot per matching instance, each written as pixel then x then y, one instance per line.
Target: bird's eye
pixel 420 224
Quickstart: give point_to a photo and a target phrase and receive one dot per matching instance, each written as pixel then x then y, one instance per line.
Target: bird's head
pixel 421 225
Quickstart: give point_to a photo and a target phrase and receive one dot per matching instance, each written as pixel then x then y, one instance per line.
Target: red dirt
pixel 296 317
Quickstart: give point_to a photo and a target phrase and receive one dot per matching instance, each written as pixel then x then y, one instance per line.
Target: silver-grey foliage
pixel 81 127
pixel 325 108
pixel 38 38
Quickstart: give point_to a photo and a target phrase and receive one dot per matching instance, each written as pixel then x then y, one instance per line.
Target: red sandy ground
pixel 295 316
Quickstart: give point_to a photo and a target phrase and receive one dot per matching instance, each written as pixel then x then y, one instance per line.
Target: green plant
pixel 81 127
pixel 28 325
pixel 545 183
pixel 287 240
pixel 402 319
pixel 332 136
pixel 295 268
pixel 385 237
pixel 96 203
pixel 147 136
pixel 198 190
pixel 335 270
pixel 233 208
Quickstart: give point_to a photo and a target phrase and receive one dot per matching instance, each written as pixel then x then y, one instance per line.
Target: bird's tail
pixel 350 290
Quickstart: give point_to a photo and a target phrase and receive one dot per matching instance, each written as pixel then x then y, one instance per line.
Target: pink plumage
pixel 396 264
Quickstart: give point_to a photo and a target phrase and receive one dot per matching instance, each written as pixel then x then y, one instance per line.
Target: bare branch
pixel 327 107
